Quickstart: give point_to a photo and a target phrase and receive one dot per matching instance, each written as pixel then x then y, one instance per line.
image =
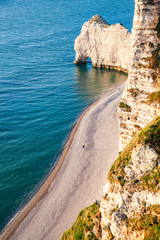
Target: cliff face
pixel 131 205
pixel 139 104
pixel 107 46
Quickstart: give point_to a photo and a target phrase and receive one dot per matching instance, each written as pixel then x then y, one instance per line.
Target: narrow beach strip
pixel 78 177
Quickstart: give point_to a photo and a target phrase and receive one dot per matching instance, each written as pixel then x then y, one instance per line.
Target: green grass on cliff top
pixel 150 135
pixel 82 229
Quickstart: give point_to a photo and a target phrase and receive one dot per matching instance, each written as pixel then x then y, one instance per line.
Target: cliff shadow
pixel 95 81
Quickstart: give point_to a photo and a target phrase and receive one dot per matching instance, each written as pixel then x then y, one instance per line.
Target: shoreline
pixel 10 229
pixel 103 66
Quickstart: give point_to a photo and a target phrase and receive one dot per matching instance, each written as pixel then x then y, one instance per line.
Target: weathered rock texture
pixel 135 110
pixel 131 205
pixel 107 45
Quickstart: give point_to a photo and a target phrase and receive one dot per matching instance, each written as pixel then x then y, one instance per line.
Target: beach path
pixel 82 175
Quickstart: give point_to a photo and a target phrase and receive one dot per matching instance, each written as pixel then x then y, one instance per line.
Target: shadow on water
pixel 91 81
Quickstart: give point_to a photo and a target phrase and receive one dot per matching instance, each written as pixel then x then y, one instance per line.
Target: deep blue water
pixel 41 91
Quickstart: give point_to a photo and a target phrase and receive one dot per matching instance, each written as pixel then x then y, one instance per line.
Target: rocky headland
pixel 130 208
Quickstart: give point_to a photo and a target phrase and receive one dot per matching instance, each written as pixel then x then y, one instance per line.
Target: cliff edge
pixel 140 102
pixel 131 205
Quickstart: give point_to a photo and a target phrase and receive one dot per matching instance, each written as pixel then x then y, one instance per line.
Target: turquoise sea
pixel 42 92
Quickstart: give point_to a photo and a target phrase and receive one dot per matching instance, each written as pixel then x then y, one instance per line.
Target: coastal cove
pixel 65 190
pixel 42 91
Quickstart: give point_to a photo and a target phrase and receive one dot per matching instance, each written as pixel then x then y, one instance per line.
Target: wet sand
pixel 78 178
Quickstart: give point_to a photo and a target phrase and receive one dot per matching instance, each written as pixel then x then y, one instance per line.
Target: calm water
pixel 41 91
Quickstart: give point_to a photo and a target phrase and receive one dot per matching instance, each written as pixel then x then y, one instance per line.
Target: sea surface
pixel 42 92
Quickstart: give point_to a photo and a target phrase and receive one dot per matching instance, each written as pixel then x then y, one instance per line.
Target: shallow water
pixel 41 91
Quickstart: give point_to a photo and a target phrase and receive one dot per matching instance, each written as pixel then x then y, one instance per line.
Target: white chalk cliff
pixel 135 109
pixel 131 205
pixel 107 45
pixel 132 190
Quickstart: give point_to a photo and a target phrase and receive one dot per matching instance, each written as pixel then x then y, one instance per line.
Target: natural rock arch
pixel 107 45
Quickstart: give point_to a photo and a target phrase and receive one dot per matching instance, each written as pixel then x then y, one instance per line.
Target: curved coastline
pixel 21 215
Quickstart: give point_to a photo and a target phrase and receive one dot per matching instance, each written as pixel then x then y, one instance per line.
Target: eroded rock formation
pixel 139 104
pixel 131 205
pixel 107 45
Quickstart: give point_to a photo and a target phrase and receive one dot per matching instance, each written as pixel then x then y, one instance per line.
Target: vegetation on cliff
pixel 158 29
pixel 148 222
pixel 150 135
pixel 154 63
pixel 125 107
pixel 154 97
pixel 131 206
pixel 86 226
pixel 155 58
